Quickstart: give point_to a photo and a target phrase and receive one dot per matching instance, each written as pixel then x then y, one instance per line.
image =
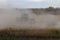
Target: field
pixel 26 34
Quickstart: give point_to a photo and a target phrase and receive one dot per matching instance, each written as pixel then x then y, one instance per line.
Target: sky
pixel 29 3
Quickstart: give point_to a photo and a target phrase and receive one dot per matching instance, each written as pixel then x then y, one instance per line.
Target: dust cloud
pixel 25 18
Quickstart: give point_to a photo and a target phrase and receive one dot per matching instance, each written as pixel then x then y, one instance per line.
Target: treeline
pixel 49 10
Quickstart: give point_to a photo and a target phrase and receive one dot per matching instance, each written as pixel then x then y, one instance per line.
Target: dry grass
pixel 33 32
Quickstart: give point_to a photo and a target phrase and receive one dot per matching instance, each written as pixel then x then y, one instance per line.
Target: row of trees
pixel 49 9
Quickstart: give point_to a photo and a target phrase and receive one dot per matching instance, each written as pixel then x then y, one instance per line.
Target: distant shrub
pixel 36 11
pixel 50 9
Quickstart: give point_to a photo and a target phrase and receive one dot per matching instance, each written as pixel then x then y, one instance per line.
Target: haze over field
pixel 30 18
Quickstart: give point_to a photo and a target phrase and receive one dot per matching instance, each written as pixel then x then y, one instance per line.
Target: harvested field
pixel 46 34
